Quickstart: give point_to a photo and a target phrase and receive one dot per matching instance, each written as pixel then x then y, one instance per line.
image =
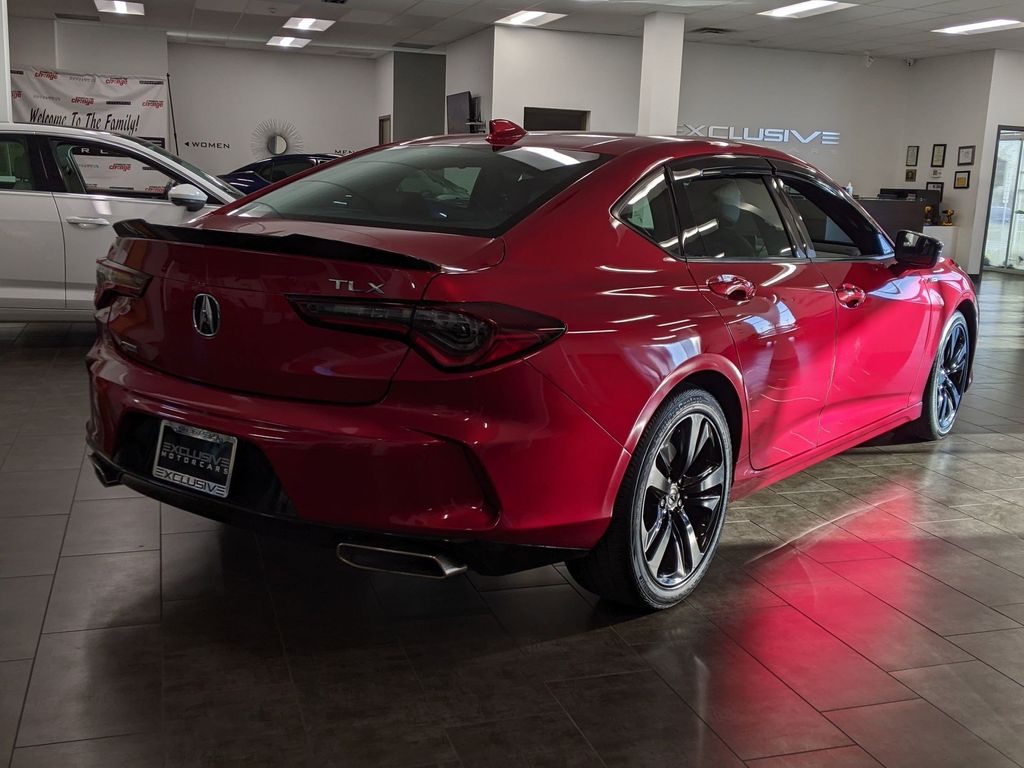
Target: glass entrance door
pixel 1004 239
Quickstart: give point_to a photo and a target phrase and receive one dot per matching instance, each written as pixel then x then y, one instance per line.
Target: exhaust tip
pixel 106 473
pixel 424 565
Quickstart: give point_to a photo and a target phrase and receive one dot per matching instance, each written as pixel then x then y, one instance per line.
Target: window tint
pixel 647 208
pixel 735 218
pixel 452 188
pixel 95 170
pixel 15 164
pixel 836 228
pixel 282 169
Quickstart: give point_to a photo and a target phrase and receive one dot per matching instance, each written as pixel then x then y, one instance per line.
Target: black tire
pixel 669 508
pixel 947 381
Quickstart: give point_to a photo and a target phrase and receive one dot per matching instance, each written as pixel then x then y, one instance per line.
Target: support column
pixel 661 73
pixel 5 65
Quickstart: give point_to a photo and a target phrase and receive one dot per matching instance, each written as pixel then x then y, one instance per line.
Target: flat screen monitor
pixel 460 112
pixel 930 196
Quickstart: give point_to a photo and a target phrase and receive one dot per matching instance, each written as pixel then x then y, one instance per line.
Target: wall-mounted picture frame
pixel 938 186
pixel 965 155
pixel 911 174
pixel 938 155
pixel 962 180
pixel 912 152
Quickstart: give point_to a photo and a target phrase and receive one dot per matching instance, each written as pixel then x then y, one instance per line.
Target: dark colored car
pixel 263 173
pixel 499 351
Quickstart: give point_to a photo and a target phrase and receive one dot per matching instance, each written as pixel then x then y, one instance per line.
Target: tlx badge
pixel 352 287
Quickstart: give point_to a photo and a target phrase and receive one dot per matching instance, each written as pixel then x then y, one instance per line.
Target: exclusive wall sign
pixel 962 180
pixel 965 155
pixel 763 135
pixel 938 155
pixel 912 152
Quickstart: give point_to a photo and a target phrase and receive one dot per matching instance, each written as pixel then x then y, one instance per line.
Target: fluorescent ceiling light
pixel 530 18
pixel 121 7
pixel 308 24
pixel 805 9
pixel 288 42
pixel 994 25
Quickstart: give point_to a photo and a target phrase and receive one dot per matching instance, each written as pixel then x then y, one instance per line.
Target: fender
pixel 698 364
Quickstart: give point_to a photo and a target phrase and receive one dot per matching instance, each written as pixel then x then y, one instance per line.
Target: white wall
pixel 33 43
pixel 470 67
pixel 384 83
pixel 111 50
pixel 765 88
pixel 569 70
pixel 1005 107
pixel 933 115
pixel 221 95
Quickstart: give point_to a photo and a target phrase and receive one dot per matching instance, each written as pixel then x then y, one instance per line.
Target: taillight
pixel 113 280
pixel 453 337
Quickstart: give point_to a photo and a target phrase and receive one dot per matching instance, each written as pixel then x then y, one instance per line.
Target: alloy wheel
pixel 683 500
pixel 951 378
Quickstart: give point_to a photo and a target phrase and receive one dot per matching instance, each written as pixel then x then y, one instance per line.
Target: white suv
pixel 61 190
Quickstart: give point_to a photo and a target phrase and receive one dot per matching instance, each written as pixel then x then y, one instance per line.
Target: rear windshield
pixel 474 190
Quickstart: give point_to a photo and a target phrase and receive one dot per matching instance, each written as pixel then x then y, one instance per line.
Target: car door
pixel 32 243
pixel 777 305
pixel 103 183
pixel 884 310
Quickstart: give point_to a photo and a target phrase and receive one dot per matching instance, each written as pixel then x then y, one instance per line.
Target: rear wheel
pixel 670 509
pixel 947 383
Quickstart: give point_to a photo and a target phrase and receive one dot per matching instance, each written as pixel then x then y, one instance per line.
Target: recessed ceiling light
pixel 288 42
pixel 307 24
pixel 993 25
pixel 530 18
pixel 805 9
pixel 121 7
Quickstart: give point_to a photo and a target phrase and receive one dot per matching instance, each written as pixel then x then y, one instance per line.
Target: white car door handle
pixel 87 222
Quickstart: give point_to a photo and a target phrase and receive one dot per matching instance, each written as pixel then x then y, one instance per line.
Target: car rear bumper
pixel 504 457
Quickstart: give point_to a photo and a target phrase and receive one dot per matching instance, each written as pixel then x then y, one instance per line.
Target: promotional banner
pixel 136 106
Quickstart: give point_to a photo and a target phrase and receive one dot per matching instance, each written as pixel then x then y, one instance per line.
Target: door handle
pixel 850 295
pixel 86 222
pixel 732 287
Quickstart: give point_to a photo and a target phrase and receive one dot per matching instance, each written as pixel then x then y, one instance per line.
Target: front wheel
pixel 947 382
pixel 670 509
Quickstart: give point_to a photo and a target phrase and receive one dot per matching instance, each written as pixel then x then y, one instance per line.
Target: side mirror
pixel 188 196
pixel 916 250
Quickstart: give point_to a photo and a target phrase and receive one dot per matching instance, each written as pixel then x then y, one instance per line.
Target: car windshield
pixel 463 189
pixel 223 187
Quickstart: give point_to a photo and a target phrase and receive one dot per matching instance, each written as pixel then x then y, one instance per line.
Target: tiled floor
pixel 866 612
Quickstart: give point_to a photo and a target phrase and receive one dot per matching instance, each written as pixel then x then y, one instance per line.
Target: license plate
pixel 195 458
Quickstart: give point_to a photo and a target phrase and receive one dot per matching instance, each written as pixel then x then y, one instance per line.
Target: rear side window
pixel 472 190
pixel 735 216
pixel 15 164
pixel 647 208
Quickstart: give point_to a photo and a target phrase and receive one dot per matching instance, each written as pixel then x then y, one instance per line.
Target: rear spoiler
pixel 299 245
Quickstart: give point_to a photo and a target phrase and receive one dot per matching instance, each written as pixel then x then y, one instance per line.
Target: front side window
pixel 647 208
pixel 735 218
pixel 836 228
pixel 95 170
pixel 282 169
pixel 463 189
pixel 15 164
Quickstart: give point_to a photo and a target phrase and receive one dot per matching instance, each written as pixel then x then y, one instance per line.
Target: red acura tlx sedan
pixel 507 350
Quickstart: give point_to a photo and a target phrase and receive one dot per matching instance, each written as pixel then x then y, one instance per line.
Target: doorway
pixel 384 129
pixel 544 119
pixel 1004 231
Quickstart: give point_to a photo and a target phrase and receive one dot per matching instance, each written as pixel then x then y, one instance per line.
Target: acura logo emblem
pixel 206 315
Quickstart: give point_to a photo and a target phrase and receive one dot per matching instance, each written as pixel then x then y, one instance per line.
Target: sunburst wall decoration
pixel 275 137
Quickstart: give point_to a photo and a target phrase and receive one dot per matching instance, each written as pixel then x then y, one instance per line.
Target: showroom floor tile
pixel 868 611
